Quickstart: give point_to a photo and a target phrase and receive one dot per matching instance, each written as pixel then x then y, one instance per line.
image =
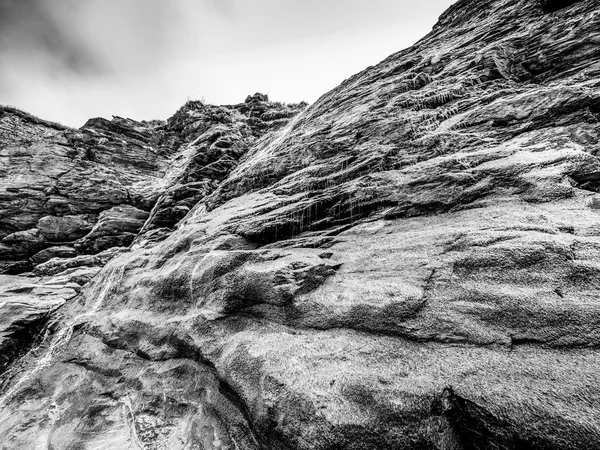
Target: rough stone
pixel 66 228
pixel 62 251
pixel 61 180
pixel 57 265
pixel 411 263
pixel 25 306
pixel 116 227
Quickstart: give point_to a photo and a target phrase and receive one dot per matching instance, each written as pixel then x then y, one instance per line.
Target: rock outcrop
pixel 66 188
pixel 413 262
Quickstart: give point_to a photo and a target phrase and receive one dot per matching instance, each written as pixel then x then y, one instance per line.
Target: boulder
pixel 116 227
pixel 66 228
pixel 62 251
pixel 25 242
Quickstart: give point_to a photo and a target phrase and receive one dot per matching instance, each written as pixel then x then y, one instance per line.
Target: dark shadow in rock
pixel 556 5
pixel 19 339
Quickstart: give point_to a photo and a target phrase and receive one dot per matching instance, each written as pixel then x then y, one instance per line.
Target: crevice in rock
pixel 477 428
pixel 19 340
pixel 550 6
pixel 186 351
pixel 588 182
pixel 267 441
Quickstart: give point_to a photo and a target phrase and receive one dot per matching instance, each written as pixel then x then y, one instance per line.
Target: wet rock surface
pixel 26 304
pixel 413 262
pixel 61 187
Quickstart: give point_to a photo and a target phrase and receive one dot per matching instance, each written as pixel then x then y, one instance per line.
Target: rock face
pixel 64 187
pixel 413 262
pixel 26 305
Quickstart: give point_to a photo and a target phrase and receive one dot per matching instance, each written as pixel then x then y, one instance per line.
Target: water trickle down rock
pixel 65 188
pixel 411 263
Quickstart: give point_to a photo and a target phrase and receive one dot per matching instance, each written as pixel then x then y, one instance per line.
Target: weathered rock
pixel 66 228
pixel 25 242
pixel 411 263
pixel 594 201
pixel 200 413
pixel 116 227
pixel 6 251
pixel 58 265
pixel 61 180
pixel 76 275
pixel 25 305
pixel 61 251
pixel 14 267
pixel 48 182
pixel 218 137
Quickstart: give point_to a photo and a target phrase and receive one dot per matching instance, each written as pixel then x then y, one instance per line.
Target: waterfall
pixel 63 336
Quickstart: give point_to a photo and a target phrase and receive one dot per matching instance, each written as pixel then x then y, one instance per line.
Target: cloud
pixel 69 60
pixel 87 37
pixel 29 29
pixel 224 7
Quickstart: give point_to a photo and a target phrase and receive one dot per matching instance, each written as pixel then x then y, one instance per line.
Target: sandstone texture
pixel 412 262
pixel 94 188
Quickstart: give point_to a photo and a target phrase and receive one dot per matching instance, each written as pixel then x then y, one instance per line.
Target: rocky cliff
pixel 413 262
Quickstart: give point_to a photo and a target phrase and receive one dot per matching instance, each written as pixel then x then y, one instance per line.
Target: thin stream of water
pixel 63 336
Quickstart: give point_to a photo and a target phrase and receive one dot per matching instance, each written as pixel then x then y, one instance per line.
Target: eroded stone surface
pixel 25 306
pixel 64 187
pixel 411 263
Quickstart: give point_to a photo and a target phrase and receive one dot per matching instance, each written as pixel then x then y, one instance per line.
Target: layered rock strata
pixel 412 263
pixel 66 192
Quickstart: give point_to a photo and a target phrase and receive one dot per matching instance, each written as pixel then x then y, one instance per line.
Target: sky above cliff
pixel 68 60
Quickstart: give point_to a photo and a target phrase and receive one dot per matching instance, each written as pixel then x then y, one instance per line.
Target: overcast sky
pixel 69 60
